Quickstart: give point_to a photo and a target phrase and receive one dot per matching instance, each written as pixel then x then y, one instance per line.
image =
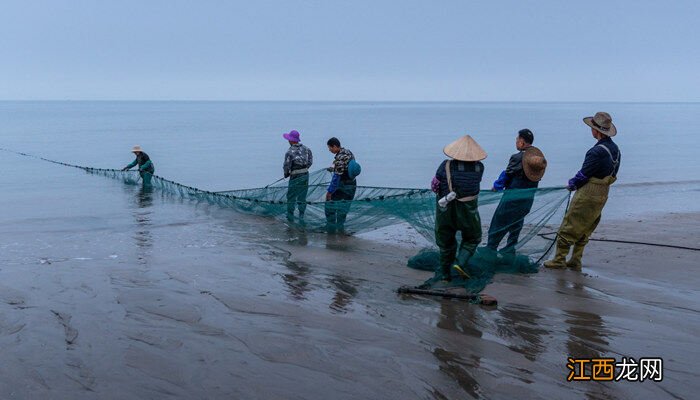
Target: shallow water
pixel 108 290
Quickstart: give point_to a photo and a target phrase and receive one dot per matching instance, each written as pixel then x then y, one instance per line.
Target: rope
pixel 672 246
pixel 409 192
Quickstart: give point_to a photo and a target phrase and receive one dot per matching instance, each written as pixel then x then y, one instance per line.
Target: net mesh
pixel 377 207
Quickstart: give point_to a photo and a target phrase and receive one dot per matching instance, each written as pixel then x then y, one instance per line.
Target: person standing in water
pixel 297 162
pixel 145 165
pixel 456 183
pixel 524 171
pixel 592 184
pixel 341 190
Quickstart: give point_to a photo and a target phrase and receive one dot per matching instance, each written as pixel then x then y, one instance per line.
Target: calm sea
pixel 231 145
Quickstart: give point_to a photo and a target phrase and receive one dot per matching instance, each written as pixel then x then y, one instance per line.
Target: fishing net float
pixel 377 207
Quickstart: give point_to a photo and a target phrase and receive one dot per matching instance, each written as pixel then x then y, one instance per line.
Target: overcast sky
pixel 351 50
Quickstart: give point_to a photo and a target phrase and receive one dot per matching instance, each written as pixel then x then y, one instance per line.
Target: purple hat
pixel 292 136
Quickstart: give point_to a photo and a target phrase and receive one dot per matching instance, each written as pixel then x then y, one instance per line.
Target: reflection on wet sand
pixel 587 331
pixel 344 293
pixel 338 242
pixel 300 277
pixel 458 317
pixel 296 280
pixel 298 284
pixel 298 237
pixel 142 215
pixel 518 323
pixel 587 335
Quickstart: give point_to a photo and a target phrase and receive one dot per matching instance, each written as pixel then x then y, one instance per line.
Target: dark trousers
pixel 297 190
pixel 509 217
pixel 457 217
pixel 337 209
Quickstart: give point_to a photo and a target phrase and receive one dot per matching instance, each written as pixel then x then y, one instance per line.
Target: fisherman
pixel 297 162
pixel 341 190
pixel 524 171
pixel 592 184
pixel 145 165
pixel 456 183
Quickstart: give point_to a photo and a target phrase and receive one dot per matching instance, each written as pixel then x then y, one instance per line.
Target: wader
pixel 460 215
pixel 146 177
pixel 337 209
pixel 580 221
pixel 297 190
pixel 582 218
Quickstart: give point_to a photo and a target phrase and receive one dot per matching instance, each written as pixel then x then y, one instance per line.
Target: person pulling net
pixel 297 162
pixel 146 169
pixel 524 171
pixel 377 207
pixel 521 211
pixel 591 185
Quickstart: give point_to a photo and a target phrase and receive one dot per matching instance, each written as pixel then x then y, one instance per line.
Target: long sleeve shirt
pixel 598 163
pixel 340 169
pixel 297 157
pixel 144 162
pixel 513 177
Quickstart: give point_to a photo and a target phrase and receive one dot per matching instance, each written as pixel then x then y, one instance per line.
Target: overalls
pixel 582 218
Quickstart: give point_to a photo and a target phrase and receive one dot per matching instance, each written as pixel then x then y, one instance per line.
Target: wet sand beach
pixel 205 307
pixel 108 291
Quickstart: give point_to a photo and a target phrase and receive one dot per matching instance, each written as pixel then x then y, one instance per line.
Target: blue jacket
pixel 598 163
pixel 466 178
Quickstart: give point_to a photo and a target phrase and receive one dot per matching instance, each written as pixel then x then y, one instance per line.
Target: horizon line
pixel 352 101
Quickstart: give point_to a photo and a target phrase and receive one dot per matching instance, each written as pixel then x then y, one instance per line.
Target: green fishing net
pixel 377 207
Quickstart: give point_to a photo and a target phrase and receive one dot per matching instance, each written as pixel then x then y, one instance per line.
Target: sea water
pixel 233 145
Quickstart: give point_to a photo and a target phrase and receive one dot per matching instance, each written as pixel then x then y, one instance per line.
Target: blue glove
pixel 502 182
pixel 334 183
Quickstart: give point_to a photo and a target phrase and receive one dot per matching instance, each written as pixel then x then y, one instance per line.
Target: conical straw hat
pixel 465 149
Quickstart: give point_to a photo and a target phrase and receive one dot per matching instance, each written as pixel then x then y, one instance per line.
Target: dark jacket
pixel 598 163
pixel 514 176
pixel 466 178
pixel 144 163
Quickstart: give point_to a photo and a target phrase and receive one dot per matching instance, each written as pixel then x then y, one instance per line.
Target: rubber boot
pixel 446 276
pixel 460 272
pixel 575 261
pixel 559 260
